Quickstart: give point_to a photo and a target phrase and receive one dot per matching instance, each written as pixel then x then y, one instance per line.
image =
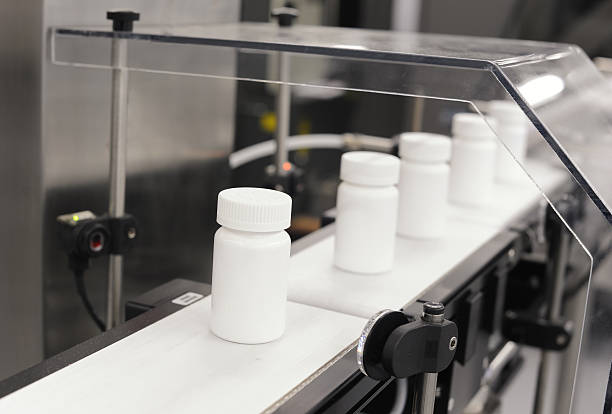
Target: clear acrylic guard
pixel 564 99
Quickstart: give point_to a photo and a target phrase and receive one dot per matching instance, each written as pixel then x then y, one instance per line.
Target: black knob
pixel 123 20
pixel 393 344
pixel 285 14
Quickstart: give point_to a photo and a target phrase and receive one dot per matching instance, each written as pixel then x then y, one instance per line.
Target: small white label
pixel 187 298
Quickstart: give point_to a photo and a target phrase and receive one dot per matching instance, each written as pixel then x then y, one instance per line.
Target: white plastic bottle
pixel 512 129
pixel 423 184
pixel 366 212
pixel 473 160
pixel 250 265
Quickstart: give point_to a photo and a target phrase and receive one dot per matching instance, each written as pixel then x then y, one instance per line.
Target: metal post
pixel 118 150
pixel 432 312
pixel 559 252
pixel 283 107
pixel 417 113
pixel 428 393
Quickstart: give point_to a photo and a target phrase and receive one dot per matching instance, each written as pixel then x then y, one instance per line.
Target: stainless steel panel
pixel 54 159
pixel 20 197
pixel 179 132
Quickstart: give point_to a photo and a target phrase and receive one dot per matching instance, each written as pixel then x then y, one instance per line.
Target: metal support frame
pixel 118 152
pixel 558 259
pixel 283 112
pixel 426 400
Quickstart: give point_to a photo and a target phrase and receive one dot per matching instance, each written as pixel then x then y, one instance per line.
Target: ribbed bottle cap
pixel 424 147
pixel 507 112
pixel 369 168
pixel 254 209
pixel 472 126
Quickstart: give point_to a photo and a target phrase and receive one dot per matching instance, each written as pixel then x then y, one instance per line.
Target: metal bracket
pixel 393 345
pixel 539 333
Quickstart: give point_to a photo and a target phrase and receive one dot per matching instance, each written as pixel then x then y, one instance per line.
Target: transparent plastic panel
pixel 561 99
pixel 475 65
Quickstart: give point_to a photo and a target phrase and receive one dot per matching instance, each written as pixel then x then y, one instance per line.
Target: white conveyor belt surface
pixel 177 365
pixel 419 264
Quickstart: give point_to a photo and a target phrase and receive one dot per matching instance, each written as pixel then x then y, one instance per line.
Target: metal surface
pixel 428 393
pixel 283 112
pixel 180 131
pixel 501 360
pixel 20 184
pixel 54 158
pixel 117 173
pixel 433 312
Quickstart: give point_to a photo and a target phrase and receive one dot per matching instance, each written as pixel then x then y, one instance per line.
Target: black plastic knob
pixel 123 20
pixel 285 15
pixel 394 344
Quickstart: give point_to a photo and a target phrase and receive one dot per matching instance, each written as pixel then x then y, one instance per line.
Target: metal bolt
pixel 131 233
pixel 561 339
pixel 511 253
pixel 452 344
pixel 433 312
pixel 433 308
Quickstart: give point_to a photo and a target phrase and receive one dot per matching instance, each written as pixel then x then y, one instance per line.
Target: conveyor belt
pixel 418 263
pixel 177 365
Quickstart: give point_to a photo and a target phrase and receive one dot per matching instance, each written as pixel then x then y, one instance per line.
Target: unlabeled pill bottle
pixel 473 159
pixel 423 184
pixel 250 265
pixel 366 212
pixel 512 130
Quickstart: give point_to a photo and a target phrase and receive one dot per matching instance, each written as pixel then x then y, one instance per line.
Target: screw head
pixel 452 344
pixel 131 233
pixel 433 308
pixel 123 20
pixel 561 339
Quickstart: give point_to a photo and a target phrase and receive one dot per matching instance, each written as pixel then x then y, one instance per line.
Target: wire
pixel 79 274
pixel 266 148
pixel 312 141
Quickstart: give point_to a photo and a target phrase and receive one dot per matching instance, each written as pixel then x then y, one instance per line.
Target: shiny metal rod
pixel 118 152
pixel 559 258
pixel 428 393
pixel 433 312
pixel 283 112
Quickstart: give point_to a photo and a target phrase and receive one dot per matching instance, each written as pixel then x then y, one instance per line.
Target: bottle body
pixel 365 227
pixel 423 194
pixel 249 285
pixel 472 171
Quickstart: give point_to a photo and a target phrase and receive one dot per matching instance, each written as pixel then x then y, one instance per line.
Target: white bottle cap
pixel 472 126
pixel 424 147
pixel 369 168
pixel 507 112
pixel 254 209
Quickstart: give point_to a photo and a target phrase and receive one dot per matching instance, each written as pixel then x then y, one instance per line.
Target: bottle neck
pixel 360 185
pixel 250 233
pixel 425 162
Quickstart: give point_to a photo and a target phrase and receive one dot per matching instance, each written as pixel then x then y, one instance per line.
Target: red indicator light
pixel 96 243
pixel 287 166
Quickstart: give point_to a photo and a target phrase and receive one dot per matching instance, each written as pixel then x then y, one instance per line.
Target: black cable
pixel 78 266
